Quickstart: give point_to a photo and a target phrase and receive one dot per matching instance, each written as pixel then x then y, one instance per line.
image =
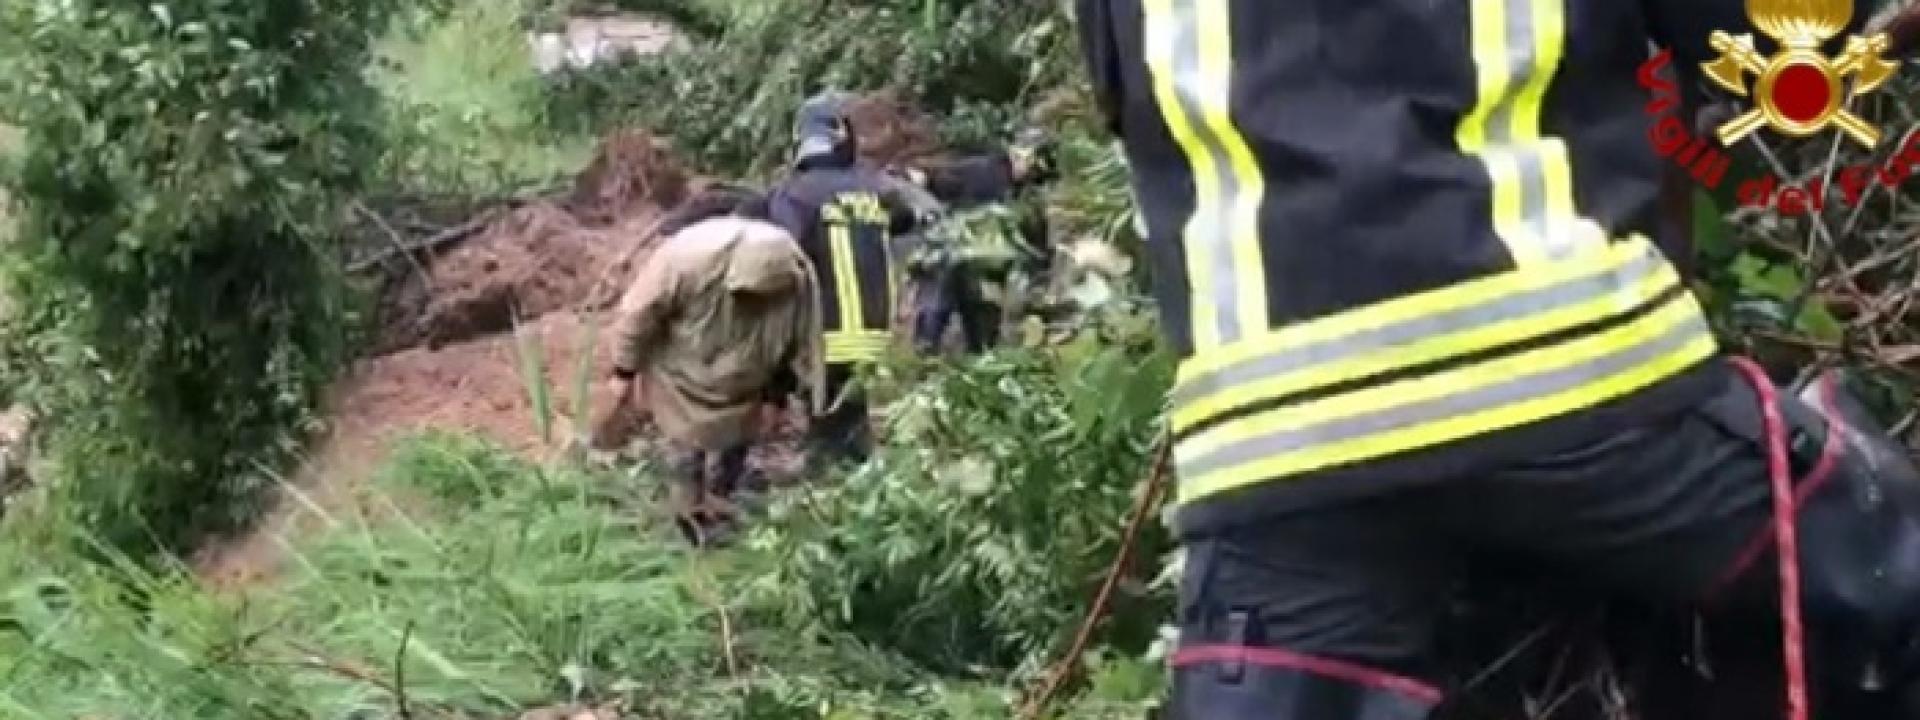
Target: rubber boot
pixel 1858 517
pixel 1860 563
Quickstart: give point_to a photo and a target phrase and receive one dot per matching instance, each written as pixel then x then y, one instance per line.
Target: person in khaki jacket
pixel 723 317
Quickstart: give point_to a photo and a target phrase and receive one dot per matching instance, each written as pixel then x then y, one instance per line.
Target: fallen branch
pixel 449 235
pixel 1142 509
pixel 316 661
pixel 399 244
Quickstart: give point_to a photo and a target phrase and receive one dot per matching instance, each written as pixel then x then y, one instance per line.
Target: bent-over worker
pixel 721 317
pixel 1408 252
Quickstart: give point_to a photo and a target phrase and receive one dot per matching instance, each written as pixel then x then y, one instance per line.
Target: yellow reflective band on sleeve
pixel 1190 57
pixel 1238 426
pixel 1517 47
pixel 856 346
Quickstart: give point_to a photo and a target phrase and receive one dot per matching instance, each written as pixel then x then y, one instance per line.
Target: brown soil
pixel 890 130
pixel 633 172
pixel 539 257
pixel 448 356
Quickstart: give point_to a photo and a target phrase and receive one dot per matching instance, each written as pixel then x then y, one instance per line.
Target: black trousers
pixel 842 433
pixel 1330 613
pixel 947 292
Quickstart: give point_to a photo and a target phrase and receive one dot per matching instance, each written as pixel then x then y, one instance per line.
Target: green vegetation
pixel 463 111
pixel 177 299
pixel 177 179
pixel 733 97
pixel 487 585
pixel 972 542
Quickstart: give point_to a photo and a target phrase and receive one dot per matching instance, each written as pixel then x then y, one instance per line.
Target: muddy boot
pixel 685 502
pixel 719 520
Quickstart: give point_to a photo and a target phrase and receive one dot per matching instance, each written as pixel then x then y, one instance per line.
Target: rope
pixel 1793 633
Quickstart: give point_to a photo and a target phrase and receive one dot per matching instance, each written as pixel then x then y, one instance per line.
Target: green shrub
pixel 177 299
pixel 733 96
pixel 463 111
pixel 974 539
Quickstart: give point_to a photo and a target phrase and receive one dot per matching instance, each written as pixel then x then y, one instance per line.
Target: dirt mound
pixel 532 261
pixel 539 257
pixel 891 130
pixel 632 172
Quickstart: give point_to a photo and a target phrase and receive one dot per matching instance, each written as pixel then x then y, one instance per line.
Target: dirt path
pixel 450 347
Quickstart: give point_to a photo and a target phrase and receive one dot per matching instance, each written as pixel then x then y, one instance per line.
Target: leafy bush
pixel 734 96
pixel 177 298
pixel 973 540
pixel 463 111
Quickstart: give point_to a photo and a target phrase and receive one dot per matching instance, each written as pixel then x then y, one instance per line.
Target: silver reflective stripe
pixel 1525 155
pixel 1516 390
pixel 1215 234
pixel 1566 293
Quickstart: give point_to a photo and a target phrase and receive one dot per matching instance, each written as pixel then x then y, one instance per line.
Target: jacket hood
pixel 762 267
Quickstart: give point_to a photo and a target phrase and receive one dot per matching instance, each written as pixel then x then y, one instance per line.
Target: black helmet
pixel 821 129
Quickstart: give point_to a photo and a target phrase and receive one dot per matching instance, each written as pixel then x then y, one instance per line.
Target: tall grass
pixel 477 585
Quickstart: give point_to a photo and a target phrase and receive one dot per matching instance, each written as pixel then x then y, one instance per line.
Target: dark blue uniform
pixel 1409 252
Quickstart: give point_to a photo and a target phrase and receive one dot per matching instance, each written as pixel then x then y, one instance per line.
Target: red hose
pixel 1786 532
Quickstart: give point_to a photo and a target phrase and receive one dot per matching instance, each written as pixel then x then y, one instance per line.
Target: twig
pixel 399 244
pixel 1512 653
pixel 316 661
pixel 452 234
pixel 1063 667
pixel 400 674
pixel 700 578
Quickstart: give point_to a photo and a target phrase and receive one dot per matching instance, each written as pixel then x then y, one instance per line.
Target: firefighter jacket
pixel 1397 241
pixel 844 218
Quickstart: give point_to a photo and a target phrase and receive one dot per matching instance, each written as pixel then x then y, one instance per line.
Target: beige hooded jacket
pixel 709 322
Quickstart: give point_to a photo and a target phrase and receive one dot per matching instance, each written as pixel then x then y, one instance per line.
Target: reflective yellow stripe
pixel 1190 57
pixel 1517 47
pixel 1411 308
pixel 1243 214
pixel 1511 307
pixel 1161 30
pixel 856 346
pixel 846 280
pixel 1428 410
pixel 1231 437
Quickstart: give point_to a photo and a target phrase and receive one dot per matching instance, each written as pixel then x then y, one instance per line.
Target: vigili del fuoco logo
pixel 1797 91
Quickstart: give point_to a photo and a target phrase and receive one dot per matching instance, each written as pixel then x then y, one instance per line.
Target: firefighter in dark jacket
pixel 844 216
pixel 1408 252
pixel 993 241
